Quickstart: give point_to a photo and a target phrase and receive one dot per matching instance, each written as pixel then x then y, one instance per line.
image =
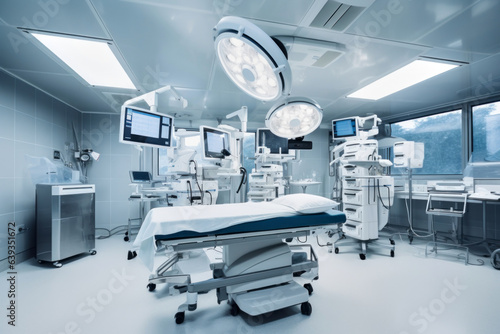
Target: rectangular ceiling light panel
pixel 93 60
pixel 409 75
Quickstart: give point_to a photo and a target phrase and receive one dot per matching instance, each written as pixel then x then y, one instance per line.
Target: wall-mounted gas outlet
pixel 21 229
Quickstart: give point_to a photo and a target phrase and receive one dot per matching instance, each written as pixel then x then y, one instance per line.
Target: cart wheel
pixel 306 308
pixel 309 288
pixel 57 264
pixel 495 259
pixel 235 309
pixel 392 242
pixel 151 287
pixel 93 252
pixel 40 261
pixel 131 255
pixel 392 253
pixel 362 256
pixel 126 238
pixel 179 318
pixel 336 250
pixel 410 238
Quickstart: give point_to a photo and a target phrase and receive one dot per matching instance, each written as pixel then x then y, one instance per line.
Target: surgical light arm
pixel 243 116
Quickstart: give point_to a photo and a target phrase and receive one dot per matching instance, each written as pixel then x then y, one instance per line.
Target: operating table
pixel 259 268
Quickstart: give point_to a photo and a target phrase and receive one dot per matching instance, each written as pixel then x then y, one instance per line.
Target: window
pixel 442 138
pixel 486 132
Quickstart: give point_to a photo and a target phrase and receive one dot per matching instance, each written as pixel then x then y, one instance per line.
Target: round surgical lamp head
pixel 294 117
pixel 254 61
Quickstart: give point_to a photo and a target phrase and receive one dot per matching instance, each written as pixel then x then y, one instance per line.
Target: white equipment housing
pixel 408 154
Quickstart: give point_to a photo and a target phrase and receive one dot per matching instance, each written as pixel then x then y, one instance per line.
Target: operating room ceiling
pixel 167 42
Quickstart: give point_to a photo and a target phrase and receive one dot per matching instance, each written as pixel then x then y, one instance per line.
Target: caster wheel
pixel 309 288
pixel 179 318
pixel 131 255
pixel 40 261
pixel 362 256
pixel 306 308
pixel 58 264
pixel 235 309
pixel 392 253
pixel 126 238
pixel 495 259
pixel 93 252
pixel 392 242
pixel 151 287
pixel 336 250
pixel 410 238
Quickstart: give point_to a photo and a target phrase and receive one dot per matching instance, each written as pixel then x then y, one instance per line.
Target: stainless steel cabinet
pixel 65 221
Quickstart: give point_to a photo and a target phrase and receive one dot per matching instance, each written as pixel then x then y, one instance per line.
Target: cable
pixel 211 198
pixel 196 178
pixel 243 179
pixel 190 191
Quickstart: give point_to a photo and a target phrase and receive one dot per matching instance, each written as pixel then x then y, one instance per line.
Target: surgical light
pixel 93 60
pixel 411 74
pixel 252 60
pixel 294 117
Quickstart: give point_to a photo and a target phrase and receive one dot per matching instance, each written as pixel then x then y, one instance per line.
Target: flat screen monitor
pixel 213 142
pixel 143 127
pixel 137 176
pixel 268 139
pixel 344 128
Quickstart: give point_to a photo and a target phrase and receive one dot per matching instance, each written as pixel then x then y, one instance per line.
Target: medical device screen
pixel 268 139
pixel 214 141
pixel 142 127
pixel 344 128
pixel 140 177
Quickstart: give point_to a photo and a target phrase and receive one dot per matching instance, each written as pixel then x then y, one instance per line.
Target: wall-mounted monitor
pixel 268 139
pixel 345 128
pixel 213 142
pixel 143 127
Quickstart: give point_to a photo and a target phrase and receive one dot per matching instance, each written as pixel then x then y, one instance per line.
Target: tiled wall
pixel 110 173
pixel 31 123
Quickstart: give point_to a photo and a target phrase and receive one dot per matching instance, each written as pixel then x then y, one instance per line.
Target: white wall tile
pixel 7 187
pixel 44 133
pixel 7 90
pixel 25 98
pixel 7 122
pixel 25 128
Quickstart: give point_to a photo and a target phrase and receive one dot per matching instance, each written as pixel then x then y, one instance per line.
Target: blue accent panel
pixel 301 220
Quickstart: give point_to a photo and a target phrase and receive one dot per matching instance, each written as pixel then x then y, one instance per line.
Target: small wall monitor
pixel 344 128
pixel 268 139
pixel 140 176
pixel 143 127
pixel 214 142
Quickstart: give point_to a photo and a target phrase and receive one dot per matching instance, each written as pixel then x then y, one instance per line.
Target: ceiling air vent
pixel 338 16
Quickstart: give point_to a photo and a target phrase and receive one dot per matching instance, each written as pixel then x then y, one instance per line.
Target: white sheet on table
pixel 201 218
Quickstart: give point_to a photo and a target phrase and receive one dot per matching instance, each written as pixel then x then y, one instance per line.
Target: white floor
pixel 406 294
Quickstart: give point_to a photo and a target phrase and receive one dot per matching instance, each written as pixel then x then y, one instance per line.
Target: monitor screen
pixel 140 177
pixel 147 128
pixel 268 139
pixel 343 128
pixel 214 141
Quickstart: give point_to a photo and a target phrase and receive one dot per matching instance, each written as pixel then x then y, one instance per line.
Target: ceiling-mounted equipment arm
pixel 151 98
